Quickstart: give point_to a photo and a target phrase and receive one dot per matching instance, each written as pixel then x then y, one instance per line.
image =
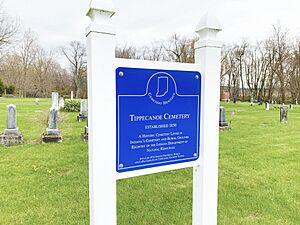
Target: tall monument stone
pixel 52 132
pixel 55 100
pixel 283 114
pixel 222 119
pixel 83 111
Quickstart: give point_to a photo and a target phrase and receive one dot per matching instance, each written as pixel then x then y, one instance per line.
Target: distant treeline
pixel 266 70
pixel 28 70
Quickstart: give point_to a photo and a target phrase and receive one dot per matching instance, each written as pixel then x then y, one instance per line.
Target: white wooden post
pixel 102 119
pixel 205 178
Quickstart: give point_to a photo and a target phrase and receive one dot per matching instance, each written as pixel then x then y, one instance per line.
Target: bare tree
pixel 8 31
pixel 8 28
pixel 294 71
pixel 256 70
pixel 280 50
pixel 155 52
pixel 27 52
pixel 180 49
pixel 75 53
pixel 127 52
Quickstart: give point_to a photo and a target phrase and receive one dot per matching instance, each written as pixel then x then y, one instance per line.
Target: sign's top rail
pixel 119 62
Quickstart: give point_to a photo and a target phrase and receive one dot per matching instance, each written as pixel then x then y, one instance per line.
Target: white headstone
pixel 72 95
pixel 83 107
pixel 55 100
pixel 61 102
pixel 267 106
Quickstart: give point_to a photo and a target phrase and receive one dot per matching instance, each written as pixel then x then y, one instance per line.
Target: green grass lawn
pixel 43 184
pixel 259 176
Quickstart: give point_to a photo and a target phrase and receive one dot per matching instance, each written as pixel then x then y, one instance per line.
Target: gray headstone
pixel 296 102
pixel 11 117
pixel 83 107
pixel 222 117
pixel 55 100
pixel 283 114
pixel 11 121
pixel 52 123
pixel 53 118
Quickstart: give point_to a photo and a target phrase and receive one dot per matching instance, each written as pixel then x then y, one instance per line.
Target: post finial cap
pixel 209 21
pixel 101 5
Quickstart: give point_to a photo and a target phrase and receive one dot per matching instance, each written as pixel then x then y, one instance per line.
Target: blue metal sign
pixel 158 117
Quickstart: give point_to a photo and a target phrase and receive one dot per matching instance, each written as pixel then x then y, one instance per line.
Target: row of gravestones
pixel 283 111
pixel 12 135
pixel 223 124
pixel 252 101
pixel 52 132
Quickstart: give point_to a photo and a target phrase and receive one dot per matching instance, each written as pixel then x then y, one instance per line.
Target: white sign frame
pixel 102 66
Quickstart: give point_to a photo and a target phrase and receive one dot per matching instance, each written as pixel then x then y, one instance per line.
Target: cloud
pixel 142 21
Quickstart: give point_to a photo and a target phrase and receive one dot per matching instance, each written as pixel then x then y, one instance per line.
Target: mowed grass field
pixel 259 174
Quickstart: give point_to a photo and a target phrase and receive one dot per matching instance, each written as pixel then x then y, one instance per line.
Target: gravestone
pixel 251 101
pixel 72 95
pixel 61 103
pixel 296 101
pixel 11 134
pixel 85 135
pixel 83 111
pixel 222 119
pixel 52 132
pixel 283 114
pixel 36 101
pixel 55 100
pixel 267 106
pixel 291 106
pixel 234 100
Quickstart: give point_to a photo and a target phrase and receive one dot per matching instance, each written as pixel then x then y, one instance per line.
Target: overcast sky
pixel 139 22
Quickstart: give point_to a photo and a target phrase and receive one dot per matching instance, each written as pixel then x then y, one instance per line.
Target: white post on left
pixel 102 113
